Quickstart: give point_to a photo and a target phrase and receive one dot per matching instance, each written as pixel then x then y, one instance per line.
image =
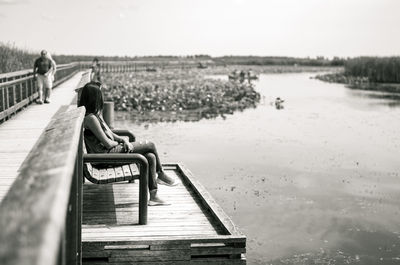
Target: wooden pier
pixel 192 230
pixel 49 217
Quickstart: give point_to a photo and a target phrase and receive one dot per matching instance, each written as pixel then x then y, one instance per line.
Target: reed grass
pixel 14 59
pixel 376 69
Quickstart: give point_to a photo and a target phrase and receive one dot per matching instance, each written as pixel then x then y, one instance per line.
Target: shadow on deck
pixel 192 230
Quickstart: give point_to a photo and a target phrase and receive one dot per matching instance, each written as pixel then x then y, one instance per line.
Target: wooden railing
pixel 136 66
pixel 40 216
pixel 19 89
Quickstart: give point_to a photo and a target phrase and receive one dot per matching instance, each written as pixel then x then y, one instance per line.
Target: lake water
pixel 316 182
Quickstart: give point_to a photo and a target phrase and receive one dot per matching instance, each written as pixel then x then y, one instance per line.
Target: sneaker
pixel 164 179
pixel 47 101
pixel 157 202
pixel 39 102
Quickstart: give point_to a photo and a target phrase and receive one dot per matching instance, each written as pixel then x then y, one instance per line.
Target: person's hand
pixel 128 146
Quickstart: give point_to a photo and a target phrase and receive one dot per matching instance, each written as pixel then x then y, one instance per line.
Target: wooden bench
pixel 129 168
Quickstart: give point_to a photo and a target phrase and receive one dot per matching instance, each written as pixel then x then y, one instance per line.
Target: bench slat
pixel 134 169
pixel 110 175
pixel 89 168
pixel 119 174
pixel 96 174
pixel 127 172
pixel 103 176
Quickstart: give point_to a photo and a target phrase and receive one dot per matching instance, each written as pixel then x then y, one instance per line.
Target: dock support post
pixel 108 113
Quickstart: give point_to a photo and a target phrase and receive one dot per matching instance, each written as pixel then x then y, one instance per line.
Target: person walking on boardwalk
pixel 44 70
pixel 100 139
pixel 95 74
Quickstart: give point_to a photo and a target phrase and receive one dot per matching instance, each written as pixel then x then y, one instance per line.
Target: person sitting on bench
pixel 100 139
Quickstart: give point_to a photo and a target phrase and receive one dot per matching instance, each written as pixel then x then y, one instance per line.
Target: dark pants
pixel 148 149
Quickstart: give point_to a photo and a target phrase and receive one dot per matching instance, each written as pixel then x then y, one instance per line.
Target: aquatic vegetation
pixel 269 69
pixel 376 69
pixel 341 78
pixel 177 91
pixel 360 81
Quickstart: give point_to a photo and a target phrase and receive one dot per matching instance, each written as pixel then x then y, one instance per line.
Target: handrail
pixel 27 72
pixel 40 216
pixel 136 66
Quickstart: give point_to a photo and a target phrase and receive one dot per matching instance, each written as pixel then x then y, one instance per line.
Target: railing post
pixel 13 95
pixel 33 89
pixel 3 89
pixel 20 92
pixel 7 99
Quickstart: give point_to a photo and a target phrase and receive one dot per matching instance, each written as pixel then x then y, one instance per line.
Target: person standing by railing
pixel 95 74
pixel 44 70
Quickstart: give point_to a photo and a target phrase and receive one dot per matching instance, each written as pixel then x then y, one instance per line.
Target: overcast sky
pixel 297 28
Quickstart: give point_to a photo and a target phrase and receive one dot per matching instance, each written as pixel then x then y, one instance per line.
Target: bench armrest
pixel 128 133
pixel 119 158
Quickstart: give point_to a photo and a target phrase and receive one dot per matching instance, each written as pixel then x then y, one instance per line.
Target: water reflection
pixel 163 116
pixel 317 183
pixel 379 98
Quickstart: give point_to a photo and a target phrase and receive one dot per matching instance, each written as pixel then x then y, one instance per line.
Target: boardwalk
pixel 19 134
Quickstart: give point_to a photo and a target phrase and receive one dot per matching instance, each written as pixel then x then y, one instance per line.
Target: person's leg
pixel 48 86
pixel 144 147
pixel 154 198
pixel 39 80
pixel 151 159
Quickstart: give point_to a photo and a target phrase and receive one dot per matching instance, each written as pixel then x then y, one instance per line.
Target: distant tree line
pixel 377 69
pixel 14 59
pixel 281 60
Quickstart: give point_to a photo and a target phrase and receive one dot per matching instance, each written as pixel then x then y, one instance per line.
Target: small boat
pixel 249 76
pixel 233 77
pixel 202 66
pixel 252 77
